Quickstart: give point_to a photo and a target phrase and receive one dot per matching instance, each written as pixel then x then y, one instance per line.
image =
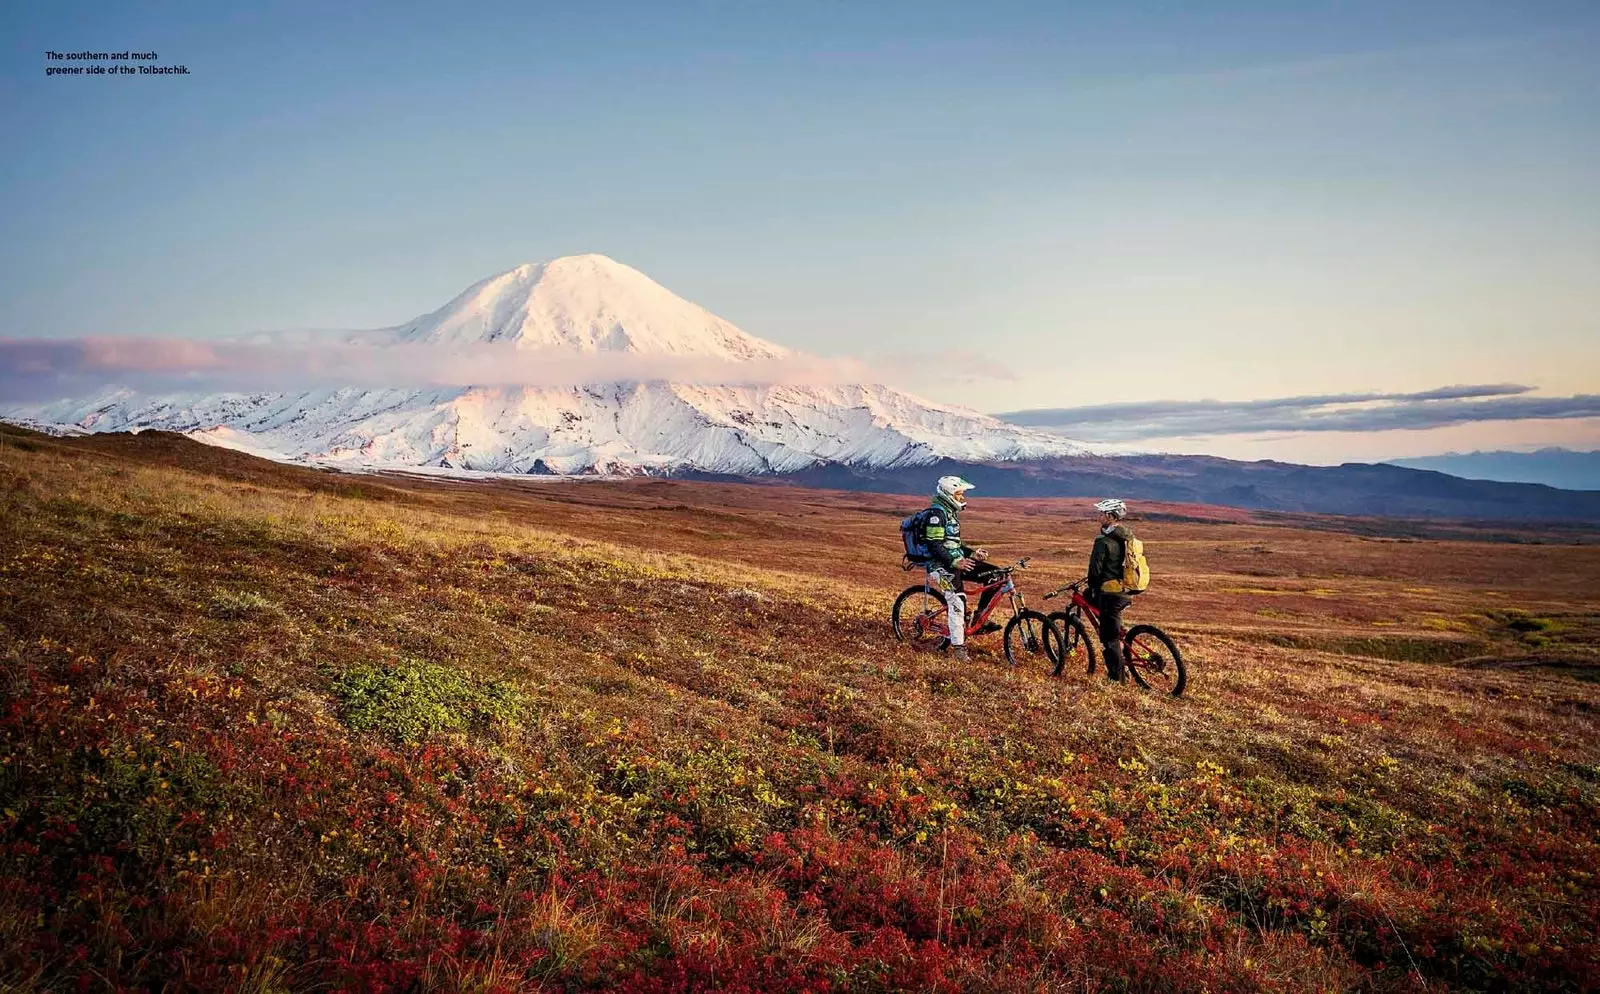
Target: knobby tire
pixel 1071 643
pixel 1027 639
pixel 925 604
pixel 1154 660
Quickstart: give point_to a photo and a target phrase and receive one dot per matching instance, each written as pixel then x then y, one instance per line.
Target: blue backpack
pixel 914 533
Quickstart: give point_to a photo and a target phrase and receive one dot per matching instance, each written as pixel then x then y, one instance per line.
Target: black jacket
pixel 943 536
pixel 1105 562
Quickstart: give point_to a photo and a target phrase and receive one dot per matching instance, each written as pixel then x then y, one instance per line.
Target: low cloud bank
pixel 37 369
pixel 1324 412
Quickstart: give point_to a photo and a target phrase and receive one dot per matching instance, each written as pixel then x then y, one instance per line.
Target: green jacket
pixel 1105 562
pixel 943 535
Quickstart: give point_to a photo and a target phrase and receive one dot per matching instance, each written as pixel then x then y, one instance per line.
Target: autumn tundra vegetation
pixel 266 728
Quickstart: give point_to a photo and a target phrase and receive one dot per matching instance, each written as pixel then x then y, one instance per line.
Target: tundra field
pixel 275 729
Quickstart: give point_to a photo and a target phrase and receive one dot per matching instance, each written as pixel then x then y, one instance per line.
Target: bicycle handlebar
pixel 909 564
pixel 1073 586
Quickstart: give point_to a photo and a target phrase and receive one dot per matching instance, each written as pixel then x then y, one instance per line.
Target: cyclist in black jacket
pixel 1105 564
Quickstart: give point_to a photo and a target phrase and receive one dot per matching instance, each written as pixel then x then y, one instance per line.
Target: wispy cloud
pixel 1324 412
pixel 955 366
pixel 37 369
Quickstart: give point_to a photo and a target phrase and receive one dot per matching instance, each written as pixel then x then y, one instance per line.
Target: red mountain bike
pixel 921 618
pixel 1148 652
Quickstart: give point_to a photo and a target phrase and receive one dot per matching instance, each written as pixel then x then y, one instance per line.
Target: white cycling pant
pixel 955 603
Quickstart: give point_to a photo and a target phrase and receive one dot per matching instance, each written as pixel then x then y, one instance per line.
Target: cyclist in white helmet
pixel 953 562
pixel 1105 563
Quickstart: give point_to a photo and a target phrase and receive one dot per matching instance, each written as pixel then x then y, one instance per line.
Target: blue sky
pixel 1245 201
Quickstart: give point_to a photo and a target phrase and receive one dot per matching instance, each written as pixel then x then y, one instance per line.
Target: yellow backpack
pixel 1135 570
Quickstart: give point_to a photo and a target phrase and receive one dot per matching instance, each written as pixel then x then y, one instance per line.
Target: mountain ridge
pixel 586 305
pixel 863 436
pixel 1359 489
pixel 1568 469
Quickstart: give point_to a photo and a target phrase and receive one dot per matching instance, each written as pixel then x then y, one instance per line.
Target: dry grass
pixel 720 769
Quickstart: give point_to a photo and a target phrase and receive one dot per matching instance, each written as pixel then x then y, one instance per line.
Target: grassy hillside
pixel 271 729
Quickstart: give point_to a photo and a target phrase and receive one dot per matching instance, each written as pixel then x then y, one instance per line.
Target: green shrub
pixel 1522 622
pixel 410 700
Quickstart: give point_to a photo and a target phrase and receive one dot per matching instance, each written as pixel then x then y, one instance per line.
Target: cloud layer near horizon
pixel 1325 412
pixel 41 369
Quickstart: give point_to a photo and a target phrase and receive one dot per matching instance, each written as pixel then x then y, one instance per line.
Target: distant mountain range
pixel 848 435
pixel 1353 488
pixel 1555 467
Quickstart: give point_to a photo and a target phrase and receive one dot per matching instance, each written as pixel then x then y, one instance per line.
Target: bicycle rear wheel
pixel 1026 639
pixel 1069 644
pixel 920 618
pixel 1154 660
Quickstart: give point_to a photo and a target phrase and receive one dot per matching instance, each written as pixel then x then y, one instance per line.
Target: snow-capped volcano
pixel 588 303
pixel 578 305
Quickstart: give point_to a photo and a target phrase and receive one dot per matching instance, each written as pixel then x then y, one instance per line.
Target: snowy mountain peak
pixel 587 303
pixel 590 303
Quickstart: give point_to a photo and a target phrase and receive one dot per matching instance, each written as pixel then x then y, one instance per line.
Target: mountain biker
pixel 1105 563
pixel 953 562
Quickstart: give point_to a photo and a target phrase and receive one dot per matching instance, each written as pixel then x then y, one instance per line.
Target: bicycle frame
pixel 1006 586
pixel 1003 584
pixel 1080 605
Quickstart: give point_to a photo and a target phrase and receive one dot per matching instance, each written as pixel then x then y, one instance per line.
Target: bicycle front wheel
pixel 1070 645
pixel 920 618
pixel 1154 660
pixel 1026 639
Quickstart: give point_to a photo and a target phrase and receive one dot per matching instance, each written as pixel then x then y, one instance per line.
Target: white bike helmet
pixel 1112 506
pixel 950 488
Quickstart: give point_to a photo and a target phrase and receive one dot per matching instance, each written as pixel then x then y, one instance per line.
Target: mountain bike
pixel 921 618
pixel 1148 652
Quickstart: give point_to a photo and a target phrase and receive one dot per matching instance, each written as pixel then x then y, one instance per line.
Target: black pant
pixel 979 574
pixel 1111 607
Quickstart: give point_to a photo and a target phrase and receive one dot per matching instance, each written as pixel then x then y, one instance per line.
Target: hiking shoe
pixel 989 626
pixel 960 655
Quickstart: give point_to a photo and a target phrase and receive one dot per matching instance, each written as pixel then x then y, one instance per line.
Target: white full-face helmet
pixel 1112 506
pixel 950 489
